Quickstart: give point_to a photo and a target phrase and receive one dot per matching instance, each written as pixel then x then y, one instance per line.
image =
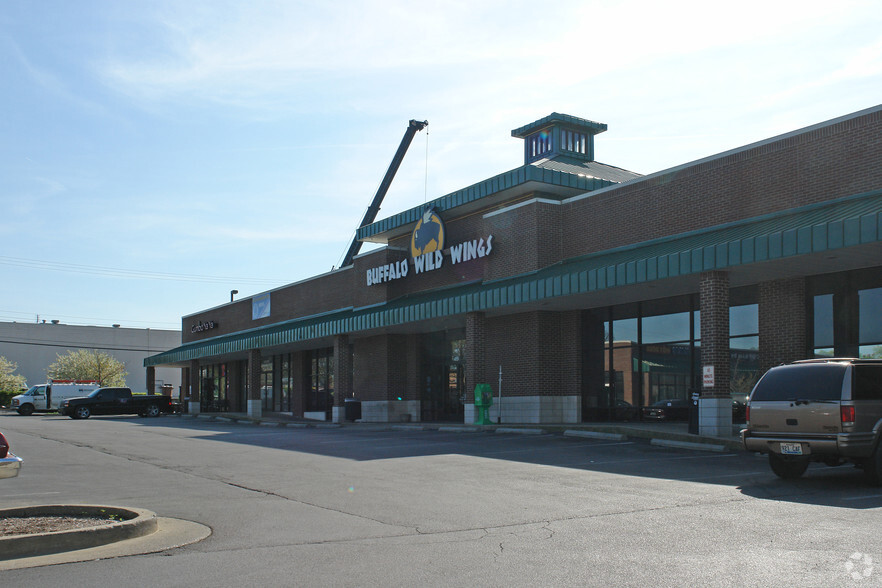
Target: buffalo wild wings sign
pixel 427 251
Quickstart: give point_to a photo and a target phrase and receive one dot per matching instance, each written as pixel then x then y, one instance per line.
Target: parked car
pixel 116 401
pixel 9 463
pixel 672 409
pixel 822 410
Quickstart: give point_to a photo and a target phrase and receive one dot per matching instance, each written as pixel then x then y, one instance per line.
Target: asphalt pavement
pixel 362 505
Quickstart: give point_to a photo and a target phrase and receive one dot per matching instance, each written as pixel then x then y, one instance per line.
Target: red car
pixel 9 463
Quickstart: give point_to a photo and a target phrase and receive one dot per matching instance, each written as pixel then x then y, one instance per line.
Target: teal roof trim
pixel 817 228
pixel 556 118
pixel 511 179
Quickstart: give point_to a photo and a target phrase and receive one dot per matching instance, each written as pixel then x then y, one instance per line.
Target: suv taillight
pixel 846 415
pixel 4 446
pixel 747 414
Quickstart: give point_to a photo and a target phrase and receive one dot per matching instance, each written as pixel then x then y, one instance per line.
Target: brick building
pixel 592 290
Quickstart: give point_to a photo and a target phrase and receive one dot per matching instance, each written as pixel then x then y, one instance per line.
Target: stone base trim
pixel 390 411
pixel 532 410
pixel 255 409
pixel 715 417
pixel 193 407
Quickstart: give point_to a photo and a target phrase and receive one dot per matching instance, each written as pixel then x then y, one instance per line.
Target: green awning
pixel 833 225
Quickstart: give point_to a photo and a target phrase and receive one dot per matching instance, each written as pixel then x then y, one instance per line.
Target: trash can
pixel 352 409
pixel 693 414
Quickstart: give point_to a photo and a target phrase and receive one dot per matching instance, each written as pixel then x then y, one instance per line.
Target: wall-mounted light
pixel 233 293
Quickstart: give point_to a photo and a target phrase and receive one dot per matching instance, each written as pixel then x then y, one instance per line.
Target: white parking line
pixel 31 494
pixel 863 497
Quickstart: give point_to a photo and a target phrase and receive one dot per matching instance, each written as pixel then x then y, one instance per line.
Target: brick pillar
pixel 715 405
pixel 475 362
pixel 151 380
pixel 254 407
pixel 782 322
pixel 194 405
pixel 342 377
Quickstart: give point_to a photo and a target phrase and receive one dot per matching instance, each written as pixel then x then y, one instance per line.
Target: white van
pixel 47 397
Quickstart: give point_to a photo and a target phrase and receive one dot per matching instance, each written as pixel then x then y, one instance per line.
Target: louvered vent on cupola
pixel 559 134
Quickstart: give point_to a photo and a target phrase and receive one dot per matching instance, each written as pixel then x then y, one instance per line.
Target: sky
pixel 156 155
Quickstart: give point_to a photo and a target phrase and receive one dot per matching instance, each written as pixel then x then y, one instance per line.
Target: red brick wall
pixel 342 370
pixel 714 301
pixel 525 239
pixel 782 322
pixel 475 358
pixel 380 368
pixel 539 353
pixel 312 296
pixel 824 164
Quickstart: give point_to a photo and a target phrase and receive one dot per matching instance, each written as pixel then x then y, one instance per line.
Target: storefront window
pixel 823 324
pixel 321 380
pixel 287 384
pixel 213 388
pixel 666 327
pixel 266 384
pixel 743 320
pixel 623 363
pixel 744 364
pixel 870 329
pixel 655 357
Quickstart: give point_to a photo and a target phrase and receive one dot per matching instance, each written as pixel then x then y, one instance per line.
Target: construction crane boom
pixel 412 128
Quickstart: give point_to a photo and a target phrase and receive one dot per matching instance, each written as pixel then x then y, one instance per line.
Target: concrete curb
pixel 134 522
pixel 171 534
pixel 595 435
pixel 686 445
pixel 600 431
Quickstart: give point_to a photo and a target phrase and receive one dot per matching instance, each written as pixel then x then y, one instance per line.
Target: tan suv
pixel 827 410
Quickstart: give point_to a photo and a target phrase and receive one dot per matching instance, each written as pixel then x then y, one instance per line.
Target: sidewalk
pixel 672 434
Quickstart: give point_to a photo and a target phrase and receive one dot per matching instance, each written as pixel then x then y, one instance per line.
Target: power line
pixel 32 318
pixel 78 346
pixel 77 268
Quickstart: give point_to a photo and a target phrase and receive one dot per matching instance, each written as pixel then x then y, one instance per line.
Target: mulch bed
pixel 43 524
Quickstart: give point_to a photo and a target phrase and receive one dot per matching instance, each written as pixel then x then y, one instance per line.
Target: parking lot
pixel 366 505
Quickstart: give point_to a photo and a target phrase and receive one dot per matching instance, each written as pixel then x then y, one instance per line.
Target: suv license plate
pixel 791 449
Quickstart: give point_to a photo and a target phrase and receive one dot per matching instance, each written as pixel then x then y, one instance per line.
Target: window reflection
pixel 823 320
pixel 743 320
pixel 666 327
pixel 870 312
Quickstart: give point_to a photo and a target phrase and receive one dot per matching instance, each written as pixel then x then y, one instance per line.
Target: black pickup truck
pixel 116 401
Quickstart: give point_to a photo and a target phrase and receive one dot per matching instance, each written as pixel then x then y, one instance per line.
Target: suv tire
pixel 787 468
pixel 873 467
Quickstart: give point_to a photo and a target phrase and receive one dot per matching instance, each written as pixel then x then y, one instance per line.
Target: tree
pixel 89 364
pixel 9 382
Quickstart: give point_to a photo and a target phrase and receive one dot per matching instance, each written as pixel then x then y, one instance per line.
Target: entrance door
pixel 442 376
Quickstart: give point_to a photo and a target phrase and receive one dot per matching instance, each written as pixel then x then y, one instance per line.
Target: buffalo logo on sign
pixel 428 235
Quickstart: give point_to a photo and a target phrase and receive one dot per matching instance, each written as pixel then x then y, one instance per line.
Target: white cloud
pixel 233 51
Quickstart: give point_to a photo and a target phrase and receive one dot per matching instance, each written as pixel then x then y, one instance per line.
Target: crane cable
pixel 426 181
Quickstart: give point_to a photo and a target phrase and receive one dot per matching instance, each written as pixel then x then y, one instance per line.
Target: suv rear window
pixel 805 382
pixel 867 382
